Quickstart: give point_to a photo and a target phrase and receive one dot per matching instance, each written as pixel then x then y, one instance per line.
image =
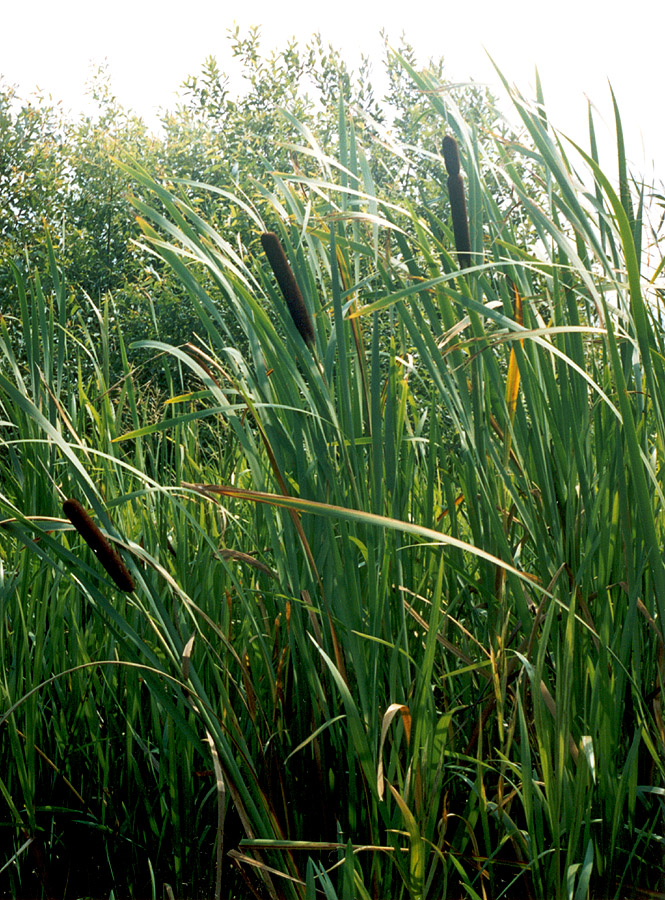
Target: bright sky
pixel 151 46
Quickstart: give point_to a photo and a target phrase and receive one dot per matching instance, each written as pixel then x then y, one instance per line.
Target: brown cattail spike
pixel 457 201
pixel 288 286
pixel 102 549
pixel 451 155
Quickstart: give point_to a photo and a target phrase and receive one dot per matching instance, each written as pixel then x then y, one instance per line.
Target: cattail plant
pixel 100 546
pixel 535 607
pixel 288 286
pixel 457 201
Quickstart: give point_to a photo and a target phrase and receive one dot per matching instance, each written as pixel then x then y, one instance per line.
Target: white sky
pixel 151 47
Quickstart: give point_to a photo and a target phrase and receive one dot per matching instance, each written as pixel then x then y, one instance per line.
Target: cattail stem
pixel 457 201
pixel 105 553
pixel 289 287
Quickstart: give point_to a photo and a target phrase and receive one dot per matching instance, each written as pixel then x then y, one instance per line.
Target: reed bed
pixel 390 623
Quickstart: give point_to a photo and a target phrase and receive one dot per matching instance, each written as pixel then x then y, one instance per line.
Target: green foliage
pixel 59 175
pixel 397 625
pixel 33 174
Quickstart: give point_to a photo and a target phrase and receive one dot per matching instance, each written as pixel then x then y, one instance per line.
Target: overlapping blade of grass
pixel 355 404
pixel 540 505
pixel 57 449
pixel 441 501
pixel 572 455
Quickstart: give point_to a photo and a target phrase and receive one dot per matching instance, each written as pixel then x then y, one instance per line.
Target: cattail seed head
pixel 457 201
pixel 288 286
pixel 460 220
pixel 451 155
pixel 105 553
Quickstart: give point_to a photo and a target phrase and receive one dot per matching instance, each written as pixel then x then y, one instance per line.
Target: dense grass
pixel 396 628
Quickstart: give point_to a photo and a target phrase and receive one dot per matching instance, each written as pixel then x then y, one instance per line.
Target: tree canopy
pixel 59 174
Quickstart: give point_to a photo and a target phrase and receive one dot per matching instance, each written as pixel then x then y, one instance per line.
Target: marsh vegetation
pixel 392 620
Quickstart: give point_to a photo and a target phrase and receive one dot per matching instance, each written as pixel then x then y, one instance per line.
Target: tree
pixel 61 175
